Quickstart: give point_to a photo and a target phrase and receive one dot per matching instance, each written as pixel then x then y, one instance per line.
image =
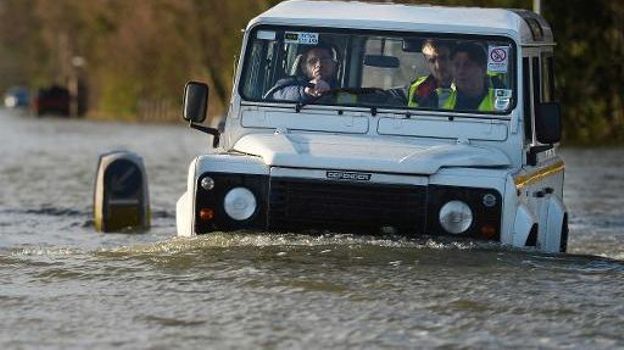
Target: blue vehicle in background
pixel 17 97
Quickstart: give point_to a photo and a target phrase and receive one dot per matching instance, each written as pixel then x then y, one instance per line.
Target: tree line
pixel 136 55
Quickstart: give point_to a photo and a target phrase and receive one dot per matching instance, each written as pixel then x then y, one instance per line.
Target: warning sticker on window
pixel 302 38
pixel 502 99
pixel 501 104
pixel 498 59
pixel 503 93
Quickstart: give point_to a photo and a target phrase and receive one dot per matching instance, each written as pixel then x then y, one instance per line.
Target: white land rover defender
pixel 380 144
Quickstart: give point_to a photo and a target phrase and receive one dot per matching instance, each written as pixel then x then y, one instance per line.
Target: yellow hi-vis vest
pixel 411 102
pixel 486 105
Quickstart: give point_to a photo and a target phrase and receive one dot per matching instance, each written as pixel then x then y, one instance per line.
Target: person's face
pixel 469 75
pixel 319 64
pixel 439 64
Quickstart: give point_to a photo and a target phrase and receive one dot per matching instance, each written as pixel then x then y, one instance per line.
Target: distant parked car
pixel 54 99
pixel 17 96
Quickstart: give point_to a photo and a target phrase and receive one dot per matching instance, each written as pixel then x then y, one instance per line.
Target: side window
pixel 270 61
pixel 261 68
pixel 548 81
pixel 527 106
pixel 251 86
pixel 537 77
pixel 537 86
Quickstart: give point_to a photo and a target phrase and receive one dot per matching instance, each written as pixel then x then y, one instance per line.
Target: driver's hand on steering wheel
pixel 320 87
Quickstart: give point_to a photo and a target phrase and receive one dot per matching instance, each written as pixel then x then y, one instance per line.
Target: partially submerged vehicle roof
pixel 525 26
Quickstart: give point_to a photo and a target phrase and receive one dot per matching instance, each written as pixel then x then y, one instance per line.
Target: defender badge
pixel 351 176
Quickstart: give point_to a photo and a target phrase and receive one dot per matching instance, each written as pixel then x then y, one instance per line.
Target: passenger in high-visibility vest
pixel 474 89
pixel 433 90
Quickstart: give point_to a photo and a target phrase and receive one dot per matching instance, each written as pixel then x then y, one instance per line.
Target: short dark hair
pixel 436 45
pixel 330 48
pixel 475 52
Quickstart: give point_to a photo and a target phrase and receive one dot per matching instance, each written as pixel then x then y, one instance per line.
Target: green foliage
pixel 139 53
pixel 590 74
pixel 119 97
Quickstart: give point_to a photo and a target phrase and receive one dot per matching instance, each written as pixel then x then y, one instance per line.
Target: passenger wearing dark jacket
pixel 318 66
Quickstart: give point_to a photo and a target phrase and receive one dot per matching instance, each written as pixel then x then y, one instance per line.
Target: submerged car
pixel 363 152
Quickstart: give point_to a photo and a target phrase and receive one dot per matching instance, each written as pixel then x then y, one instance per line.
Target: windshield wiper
pixel 354 91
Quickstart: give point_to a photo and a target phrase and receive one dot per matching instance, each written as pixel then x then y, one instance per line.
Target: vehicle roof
pixel 403 17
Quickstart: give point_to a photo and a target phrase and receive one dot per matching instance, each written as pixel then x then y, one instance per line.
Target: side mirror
pixel 195 107
pixel 195 101
pixel 548 122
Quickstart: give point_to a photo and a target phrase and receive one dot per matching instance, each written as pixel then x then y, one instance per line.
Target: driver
pixel 318 66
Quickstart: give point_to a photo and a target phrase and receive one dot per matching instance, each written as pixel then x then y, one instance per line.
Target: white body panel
pixel 488 130
pixel 350 124
pixel 354 14
pixel 523 223
pixel 366 153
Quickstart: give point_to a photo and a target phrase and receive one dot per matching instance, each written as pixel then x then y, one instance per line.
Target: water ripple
pixel 47 210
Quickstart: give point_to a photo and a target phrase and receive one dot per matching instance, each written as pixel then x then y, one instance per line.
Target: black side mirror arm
pixel 212 131
pixel 533 151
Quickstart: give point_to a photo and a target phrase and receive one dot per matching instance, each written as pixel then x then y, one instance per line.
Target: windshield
pixel 385 70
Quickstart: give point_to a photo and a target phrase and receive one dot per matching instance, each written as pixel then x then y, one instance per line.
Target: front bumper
pixel 291 204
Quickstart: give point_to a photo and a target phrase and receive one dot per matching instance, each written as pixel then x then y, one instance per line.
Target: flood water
pixel 62 285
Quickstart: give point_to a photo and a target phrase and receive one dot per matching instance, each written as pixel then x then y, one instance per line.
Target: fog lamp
pixel 239 203
pixel 207 183
pixel 455 217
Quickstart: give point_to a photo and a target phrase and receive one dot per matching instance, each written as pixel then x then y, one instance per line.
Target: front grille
pixel 297 203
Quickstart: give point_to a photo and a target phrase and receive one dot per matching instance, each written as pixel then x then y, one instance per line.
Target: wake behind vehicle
pixel 366 153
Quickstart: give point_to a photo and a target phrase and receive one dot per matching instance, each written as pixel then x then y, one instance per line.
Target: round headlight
pixel 239 203
pixel 455 217
pixel 207 183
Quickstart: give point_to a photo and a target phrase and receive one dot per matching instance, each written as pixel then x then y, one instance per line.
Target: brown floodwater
pixel 62 285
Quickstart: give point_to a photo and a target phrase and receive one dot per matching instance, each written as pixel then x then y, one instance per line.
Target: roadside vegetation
pixel 134 56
